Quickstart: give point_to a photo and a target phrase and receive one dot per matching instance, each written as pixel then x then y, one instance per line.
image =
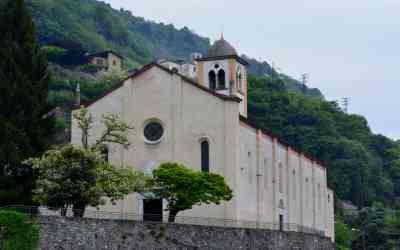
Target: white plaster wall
pixel 330 231
pixel 294 187
pixel 281 193
pixel 248 197
pixel 188 114
pixel 307 196
pixel 320 193
pixel 266 187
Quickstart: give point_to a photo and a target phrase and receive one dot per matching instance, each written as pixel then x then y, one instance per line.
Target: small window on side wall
pixel 205 156
pixel 104 153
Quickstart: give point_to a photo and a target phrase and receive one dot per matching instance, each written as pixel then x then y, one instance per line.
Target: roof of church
pixel 145 68
pixel 221 48
pixel 287 145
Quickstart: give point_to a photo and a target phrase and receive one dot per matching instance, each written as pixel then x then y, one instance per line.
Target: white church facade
pixel 198 117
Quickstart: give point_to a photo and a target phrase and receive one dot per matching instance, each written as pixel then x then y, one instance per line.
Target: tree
pixel 115 129
pixel 72 176
pixel 24 125
pixel 183 188
pixel 342 235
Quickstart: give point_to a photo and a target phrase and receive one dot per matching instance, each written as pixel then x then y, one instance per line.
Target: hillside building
pixel 106 60
pixel 200 120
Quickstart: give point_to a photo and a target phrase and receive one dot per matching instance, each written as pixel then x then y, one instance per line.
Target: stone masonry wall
pixel 93 234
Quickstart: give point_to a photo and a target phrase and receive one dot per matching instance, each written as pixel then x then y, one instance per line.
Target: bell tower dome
pixel 224 71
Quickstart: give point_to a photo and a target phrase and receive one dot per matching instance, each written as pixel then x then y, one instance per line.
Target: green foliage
pixel 97 26
pixel 111 77
pixel 20 232
pixel 54 53
pixel 362 167
pixel 89 68
pixel 24 130
pixel 342 235
pixel 183 187
pixel 75 177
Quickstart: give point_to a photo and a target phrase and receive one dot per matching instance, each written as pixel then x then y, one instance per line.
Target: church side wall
pixel 294 187
pixel 247 188
pixel 279 181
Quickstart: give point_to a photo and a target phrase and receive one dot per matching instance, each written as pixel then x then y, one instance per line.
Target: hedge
pixel 19 231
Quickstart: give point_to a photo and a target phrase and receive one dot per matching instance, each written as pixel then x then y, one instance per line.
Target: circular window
pixel 216 66
pixel 153 132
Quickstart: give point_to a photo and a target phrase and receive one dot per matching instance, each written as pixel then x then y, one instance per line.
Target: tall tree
pixel 24 125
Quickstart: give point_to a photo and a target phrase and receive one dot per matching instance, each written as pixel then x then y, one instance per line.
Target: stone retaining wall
pixel 92 234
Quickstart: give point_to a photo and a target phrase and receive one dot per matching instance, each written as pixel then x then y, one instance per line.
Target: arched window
pixel 280 178
pixel 239 79
pixel 212 79
pixel 221 79
pixel 205 156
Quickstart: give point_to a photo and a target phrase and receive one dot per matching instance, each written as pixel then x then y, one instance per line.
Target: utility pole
pixel 345 103
pixel 304 80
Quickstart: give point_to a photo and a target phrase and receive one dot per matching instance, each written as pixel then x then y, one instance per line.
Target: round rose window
pixel 153 132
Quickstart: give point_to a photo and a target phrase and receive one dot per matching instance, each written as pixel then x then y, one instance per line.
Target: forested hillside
pixel 96 26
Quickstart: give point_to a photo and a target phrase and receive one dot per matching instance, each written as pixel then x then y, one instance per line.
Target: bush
pixel 89 68
pixel 54 53
pixel 20 232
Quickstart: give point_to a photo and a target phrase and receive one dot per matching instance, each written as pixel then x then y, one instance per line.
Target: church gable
pixel 154 67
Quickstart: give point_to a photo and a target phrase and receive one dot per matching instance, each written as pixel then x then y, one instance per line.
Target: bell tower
pixel 224 71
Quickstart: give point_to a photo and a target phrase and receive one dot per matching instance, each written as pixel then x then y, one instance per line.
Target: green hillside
pixel 96 26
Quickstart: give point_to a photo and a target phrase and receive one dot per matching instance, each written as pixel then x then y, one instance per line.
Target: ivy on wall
pixel 19 231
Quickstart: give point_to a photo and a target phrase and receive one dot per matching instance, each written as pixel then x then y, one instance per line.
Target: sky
pixel 349 48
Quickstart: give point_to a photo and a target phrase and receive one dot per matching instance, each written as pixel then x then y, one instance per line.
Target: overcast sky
pixel 350 48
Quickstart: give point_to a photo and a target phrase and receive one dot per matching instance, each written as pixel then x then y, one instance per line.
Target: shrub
pixel 20 232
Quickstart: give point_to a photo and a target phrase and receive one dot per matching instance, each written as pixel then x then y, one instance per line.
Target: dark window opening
pixel 153 131
pixel 212 80
pixel 205 156
pixel 153 210
pixel 280 222
pixel 104 153
pixel 221 79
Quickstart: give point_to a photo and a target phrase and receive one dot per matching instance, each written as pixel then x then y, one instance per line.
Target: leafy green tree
pixel 371 233
pixel 75 177
pixel 183 188
pixel 342 235
pixel 24 125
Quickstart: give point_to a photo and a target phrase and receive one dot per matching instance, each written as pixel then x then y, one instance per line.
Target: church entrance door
pixel 153 210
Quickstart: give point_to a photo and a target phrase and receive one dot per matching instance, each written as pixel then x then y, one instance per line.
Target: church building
pixel 196 114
